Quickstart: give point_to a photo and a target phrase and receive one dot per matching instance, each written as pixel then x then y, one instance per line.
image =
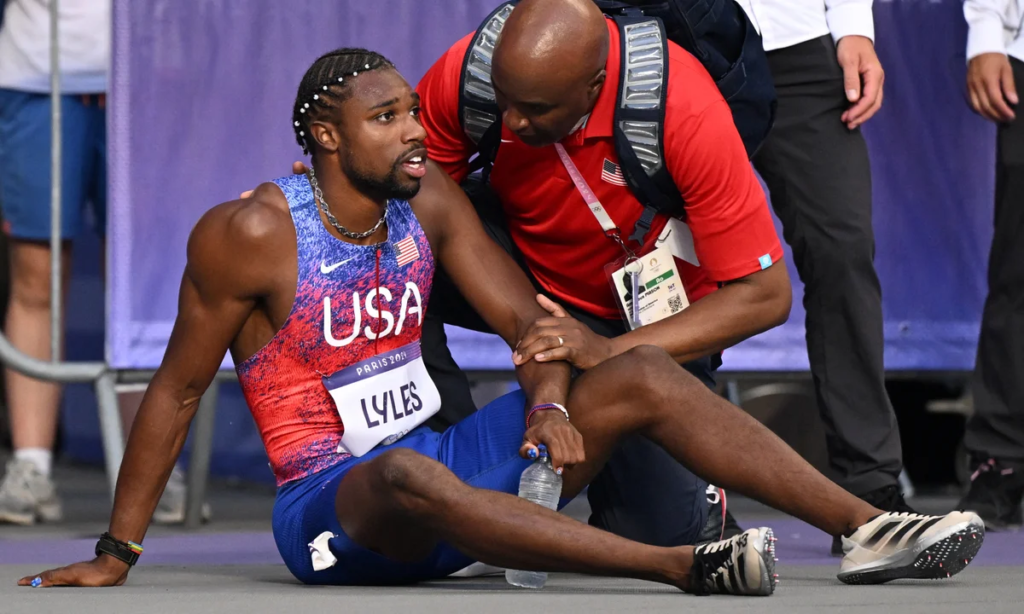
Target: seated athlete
pixel 317 284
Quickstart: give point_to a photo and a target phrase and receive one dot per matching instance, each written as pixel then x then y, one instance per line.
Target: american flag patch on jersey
pixel 406 251
pixel 612 173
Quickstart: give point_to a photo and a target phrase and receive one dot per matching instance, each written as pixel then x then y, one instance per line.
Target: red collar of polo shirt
pixel 603 116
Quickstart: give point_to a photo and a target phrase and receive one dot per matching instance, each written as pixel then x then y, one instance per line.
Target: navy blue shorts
pixel 482 450
pixel 25 163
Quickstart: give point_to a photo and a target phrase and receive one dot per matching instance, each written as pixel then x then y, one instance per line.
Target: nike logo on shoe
pixel 325 269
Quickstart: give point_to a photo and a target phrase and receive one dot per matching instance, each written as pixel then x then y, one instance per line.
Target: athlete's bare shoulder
pixel 243 242
pixel 239 222
pixel 439 202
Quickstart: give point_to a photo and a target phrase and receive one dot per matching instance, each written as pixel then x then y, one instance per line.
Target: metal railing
pixel 55 184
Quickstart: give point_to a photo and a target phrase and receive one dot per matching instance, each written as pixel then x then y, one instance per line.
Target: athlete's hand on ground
pixel 563 441
pixel 991 87
pixel 298 168
pixel 561 337
pixel 102 571
pixel 862 78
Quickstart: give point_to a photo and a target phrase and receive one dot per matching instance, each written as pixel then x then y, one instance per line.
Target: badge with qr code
pixel 659 293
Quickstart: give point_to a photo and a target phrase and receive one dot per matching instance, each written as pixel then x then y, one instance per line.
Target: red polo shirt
pixel 549 221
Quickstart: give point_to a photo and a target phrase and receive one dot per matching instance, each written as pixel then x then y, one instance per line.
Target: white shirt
pixel 84 30
pixel 994 26
pixel 784 23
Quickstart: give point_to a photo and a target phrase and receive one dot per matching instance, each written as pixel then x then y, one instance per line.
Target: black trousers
pixel 642 493
pixel 819 177
pixel 997 427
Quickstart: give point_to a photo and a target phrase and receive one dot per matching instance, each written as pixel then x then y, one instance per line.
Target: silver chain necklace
pixel 319 196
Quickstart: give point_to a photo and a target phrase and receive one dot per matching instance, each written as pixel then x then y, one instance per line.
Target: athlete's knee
pixel 644 365
pixel 401 469
pixel 653 374
pixel 649 357
pixel 414 482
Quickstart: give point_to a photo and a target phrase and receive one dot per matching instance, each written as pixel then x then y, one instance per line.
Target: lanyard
pixel 632 265
pixel 595 206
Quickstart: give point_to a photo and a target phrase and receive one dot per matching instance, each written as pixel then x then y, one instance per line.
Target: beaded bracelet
pixel 543 407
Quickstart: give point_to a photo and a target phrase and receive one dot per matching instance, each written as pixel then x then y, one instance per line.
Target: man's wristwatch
pixel 123 551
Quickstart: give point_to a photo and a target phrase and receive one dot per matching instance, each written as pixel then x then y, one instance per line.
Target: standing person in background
pixel 27 491
pixel 815 163
pixel 995 434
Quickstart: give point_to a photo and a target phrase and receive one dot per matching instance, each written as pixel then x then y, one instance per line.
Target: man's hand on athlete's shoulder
pixel 101 571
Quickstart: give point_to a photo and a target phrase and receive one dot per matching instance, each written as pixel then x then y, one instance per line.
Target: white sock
pixel 40 457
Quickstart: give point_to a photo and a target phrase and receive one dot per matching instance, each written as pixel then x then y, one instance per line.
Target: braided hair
pixel 326 85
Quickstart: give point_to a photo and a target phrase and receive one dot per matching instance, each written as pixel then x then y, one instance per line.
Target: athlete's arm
pixel 219 288
pixel 500 292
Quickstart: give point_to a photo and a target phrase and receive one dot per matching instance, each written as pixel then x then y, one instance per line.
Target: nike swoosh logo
pixel 324 269
pixel 506 141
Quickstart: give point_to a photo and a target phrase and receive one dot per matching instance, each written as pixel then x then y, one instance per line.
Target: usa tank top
pixel 357 313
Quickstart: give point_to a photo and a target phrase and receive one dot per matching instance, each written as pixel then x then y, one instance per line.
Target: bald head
pixel 550 57
pixel 544 34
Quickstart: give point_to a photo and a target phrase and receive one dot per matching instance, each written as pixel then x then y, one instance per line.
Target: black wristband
pixel 127 552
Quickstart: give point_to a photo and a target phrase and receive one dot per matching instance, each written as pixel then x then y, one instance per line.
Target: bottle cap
pixel 542 451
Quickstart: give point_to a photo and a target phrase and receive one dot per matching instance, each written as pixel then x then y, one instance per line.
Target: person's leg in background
pixel 819 177
pixel 33 404
pixel 27 492
pixel 995 433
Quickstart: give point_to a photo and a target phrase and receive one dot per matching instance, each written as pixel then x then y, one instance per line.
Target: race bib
pixel 382 398
pixel 649 288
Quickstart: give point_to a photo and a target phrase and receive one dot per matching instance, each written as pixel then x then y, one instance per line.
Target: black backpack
pixel 716 32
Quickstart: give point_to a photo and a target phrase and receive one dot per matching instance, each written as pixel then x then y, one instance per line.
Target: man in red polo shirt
pixel 555 73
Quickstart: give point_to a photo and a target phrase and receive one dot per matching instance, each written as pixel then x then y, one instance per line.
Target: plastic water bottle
pixel 543 486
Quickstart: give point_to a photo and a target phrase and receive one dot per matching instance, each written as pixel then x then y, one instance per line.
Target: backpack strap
pixel 639 124
pixel 478 110
pixel 487 151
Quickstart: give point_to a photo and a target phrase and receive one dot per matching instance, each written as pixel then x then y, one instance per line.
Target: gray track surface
pixel 257 589
pixel 197 584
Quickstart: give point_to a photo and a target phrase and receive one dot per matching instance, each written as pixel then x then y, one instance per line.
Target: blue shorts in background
pixel 25 163
pixel 482 450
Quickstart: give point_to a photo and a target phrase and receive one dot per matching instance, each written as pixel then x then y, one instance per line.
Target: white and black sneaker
pixel 893 546
pixel 741 565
